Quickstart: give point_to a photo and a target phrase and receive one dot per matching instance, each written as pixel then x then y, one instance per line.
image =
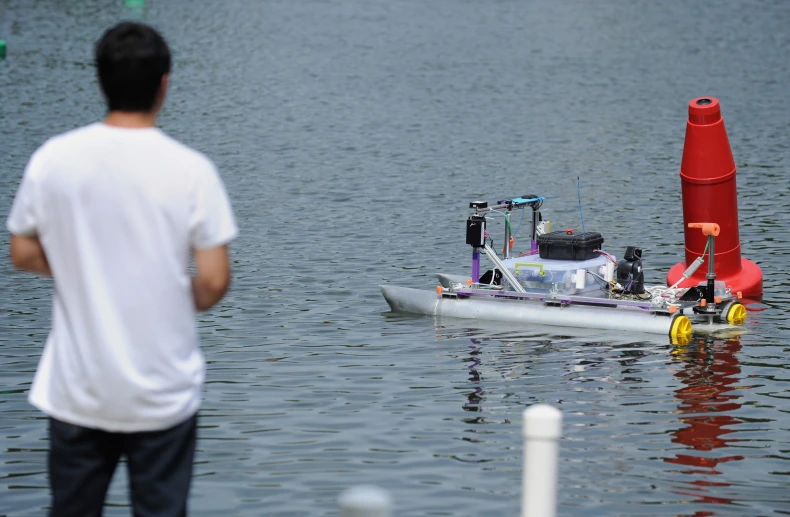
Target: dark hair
pixel 131 59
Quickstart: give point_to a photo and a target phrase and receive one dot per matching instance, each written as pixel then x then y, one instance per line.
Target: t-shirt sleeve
pixel 212 222
pixel 23 220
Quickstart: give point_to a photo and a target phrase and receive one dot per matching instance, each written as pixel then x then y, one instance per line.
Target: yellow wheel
pixel 680 330
pixel 736 314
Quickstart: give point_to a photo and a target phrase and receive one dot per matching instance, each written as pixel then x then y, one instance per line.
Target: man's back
pixel 118 211
pixel 113 212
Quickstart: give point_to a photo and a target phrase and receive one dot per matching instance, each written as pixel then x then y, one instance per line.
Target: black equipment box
pixel 568 245
pixel 476 231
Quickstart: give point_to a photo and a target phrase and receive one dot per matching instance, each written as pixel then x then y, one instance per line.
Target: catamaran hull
pixel 417 301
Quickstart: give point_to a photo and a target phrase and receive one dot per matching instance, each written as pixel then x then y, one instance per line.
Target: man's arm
pixel 212 280
pixel 27 254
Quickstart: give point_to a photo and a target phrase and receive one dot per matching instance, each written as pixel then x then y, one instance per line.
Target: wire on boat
pixel 494 213
pixel 606 255
pixel 598 277
pixel 674 290
pixel 686 273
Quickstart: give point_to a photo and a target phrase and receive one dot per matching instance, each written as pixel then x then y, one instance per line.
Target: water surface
pixel 351 135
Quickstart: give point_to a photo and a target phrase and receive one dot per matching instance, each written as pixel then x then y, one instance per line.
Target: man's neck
pixel 131 119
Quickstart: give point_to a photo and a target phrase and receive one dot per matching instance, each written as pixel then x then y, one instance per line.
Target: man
pixel 114 212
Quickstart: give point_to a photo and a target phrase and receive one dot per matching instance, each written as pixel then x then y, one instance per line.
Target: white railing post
pixel 365 501
pixel 542 431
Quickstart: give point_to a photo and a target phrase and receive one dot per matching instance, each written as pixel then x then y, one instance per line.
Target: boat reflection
pixel 475 397
pixel 709 374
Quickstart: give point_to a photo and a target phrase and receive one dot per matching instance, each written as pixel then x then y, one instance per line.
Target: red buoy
pixel 707 176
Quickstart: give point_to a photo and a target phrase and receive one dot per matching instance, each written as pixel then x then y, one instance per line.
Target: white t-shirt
pixel 118 212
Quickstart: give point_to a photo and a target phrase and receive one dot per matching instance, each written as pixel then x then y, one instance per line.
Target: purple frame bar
pixel 543 298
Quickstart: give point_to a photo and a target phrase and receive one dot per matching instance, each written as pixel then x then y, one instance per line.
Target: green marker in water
pixel 2 49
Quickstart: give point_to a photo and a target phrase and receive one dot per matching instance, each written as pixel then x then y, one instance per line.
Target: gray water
pixel 351 135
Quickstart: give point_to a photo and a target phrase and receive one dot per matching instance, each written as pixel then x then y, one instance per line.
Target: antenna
pixel 579 192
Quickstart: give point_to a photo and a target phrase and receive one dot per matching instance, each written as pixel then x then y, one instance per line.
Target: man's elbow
pixel 22 253
pixel 219 285
pixel 208 290
pixel 213 276
pixel 17 260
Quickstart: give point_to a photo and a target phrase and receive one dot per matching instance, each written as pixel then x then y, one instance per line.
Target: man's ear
pixel 162 93
pixel 163 85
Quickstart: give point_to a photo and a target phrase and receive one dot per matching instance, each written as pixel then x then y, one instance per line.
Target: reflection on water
pixel 474 398
pixel 709 371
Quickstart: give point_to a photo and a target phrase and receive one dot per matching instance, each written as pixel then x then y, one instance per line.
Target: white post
pixel 365 501
pixel 542 431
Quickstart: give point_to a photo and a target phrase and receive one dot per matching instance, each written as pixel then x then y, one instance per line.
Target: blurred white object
pixel 365 501
pixel 542 431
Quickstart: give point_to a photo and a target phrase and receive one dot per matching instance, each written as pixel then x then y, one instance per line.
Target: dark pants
pixel 82 462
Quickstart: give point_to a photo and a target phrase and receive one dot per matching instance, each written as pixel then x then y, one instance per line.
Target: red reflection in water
pixel 710 372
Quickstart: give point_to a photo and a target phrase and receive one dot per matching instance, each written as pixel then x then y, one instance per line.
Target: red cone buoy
pixel 707 176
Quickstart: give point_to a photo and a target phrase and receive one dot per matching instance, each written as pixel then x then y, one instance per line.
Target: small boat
pixel 566 279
